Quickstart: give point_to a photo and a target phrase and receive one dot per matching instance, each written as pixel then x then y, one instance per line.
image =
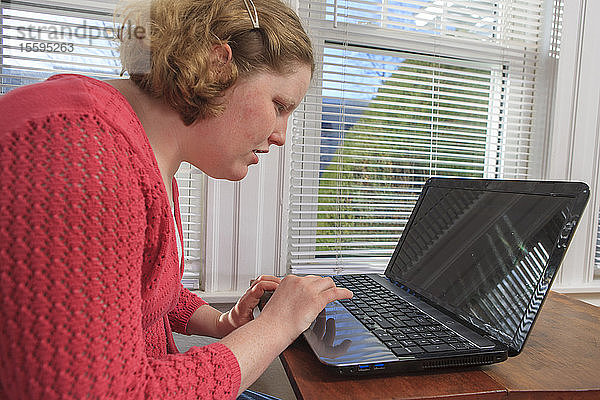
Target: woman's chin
pixel 232 175
pixel 237 175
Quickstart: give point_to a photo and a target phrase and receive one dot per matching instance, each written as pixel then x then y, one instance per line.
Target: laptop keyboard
pixel 402 327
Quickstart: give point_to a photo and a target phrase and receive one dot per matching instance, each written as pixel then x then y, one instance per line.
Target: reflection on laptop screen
pixel 479 253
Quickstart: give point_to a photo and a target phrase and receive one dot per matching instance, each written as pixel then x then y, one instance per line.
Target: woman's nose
pixel 278 135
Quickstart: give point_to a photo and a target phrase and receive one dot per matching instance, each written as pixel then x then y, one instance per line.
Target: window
pixel 42 40
pixel 60 36
pixel 406 90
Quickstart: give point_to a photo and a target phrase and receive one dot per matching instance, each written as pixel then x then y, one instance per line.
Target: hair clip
pixel 255 18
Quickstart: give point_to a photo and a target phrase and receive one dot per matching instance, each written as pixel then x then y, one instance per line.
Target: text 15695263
pixel 47 47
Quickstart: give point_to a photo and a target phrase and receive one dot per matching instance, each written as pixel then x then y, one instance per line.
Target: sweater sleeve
pixel 72 229
pixel 180 315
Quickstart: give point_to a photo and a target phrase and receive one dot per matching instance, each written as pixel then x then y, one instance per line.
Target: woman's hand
pixel 291 309
pixel 242 312
pixel 297 302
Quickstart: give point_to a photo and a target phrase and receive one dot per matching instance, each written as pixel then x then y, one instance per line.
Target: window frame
pixel 574 150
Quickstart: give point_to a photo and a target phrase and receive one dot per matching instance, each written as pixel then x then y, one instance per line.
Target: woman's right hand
pixel 291 309
pixel 297 302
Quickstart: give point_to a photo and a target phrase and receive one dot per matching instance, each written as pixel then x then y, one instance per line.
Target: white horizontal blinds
pixel 404 91
pixel 557 22
pixel 40 39
pixel 190 181
pixel 43 39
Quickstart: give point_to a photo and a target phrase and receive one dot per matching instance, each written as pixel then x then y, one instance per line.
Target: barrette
pixel 255 18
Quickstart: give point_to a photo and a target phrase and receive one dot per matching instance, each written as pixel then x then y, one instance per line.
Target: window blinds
pixel 191 183
pixel 405 90
pixel 38 40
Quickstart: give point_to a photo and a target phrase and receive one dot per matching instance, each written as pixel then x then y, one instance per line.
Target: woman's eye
pixel 280 107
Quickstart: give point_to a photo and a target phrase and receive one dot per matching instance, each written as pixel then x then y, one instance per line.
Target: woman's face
pixel 255 117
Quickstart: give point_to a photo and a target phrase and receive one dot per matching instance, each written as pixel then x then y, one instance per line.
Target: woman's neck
pixel 162 125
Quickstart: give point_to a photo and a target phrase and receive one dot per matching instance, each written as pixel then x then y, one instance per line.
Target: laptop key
pixel 461 346
pixel 382 322
pixel 371 325
pixel 405 351
pixel 434 348
pixel 382 335
pixel 392 343
pixel 396 331
pixel 396 322
pixel 400 336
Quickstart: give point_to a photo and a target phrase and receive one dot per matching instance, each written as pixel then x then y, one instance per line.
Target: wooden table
pixel 561 360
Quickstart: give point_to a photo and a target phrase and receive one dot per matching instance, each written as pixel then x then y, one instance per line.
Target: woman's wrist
pixel 283 327
pixel 225 324
pixel 205 322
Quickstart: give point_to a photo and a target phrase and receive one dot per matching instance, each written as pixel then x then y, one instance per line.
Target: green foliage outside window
pixel 414 128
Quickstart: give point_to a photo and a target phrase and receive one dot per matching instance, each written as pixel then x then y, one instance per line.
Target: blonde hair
pixel 170 51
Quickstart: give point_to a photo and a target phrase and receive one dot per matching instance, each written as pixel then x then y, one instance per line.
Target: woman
pixel 89 251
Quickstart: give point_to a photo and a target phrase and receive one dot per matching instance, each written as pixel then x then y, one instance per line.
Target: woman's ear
pixel 221 63
pixel 222 54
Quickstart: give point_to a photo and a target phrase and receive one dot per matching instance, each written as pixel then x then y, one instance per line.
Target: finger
pixel 253 295
pixel 270 278
pixel 336 293
pixel 264 286
pixel 264 278
pixel 251 298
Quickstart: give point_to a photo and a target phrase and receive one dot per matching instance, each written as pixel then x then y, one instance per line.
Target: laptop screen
pixel 483 254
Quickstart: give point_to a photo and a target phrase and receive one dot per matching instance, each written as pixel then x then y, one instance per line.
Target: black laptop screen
pixel 479 253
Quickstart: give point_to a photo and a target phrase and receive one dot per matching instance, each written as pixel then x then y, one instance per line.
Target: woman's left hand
pixel 242 312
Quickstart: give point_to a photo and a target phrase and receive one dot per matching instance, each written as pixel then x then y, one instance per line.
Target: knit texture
pixel 90 281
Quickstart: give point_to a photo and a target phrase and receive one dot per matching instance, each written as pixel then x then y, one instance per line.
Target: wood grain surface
pixel 561 358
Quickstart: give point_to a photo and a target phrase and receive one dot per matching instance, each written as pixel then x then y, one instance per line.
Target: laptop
pixel 464 285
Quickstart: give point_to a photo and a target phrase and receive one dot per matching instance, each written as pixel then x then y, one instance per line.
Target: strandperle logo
pixel 82 31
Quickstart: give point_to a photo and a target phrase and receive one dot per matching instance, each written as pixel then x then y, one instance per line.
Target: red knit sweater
pixel 89 277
